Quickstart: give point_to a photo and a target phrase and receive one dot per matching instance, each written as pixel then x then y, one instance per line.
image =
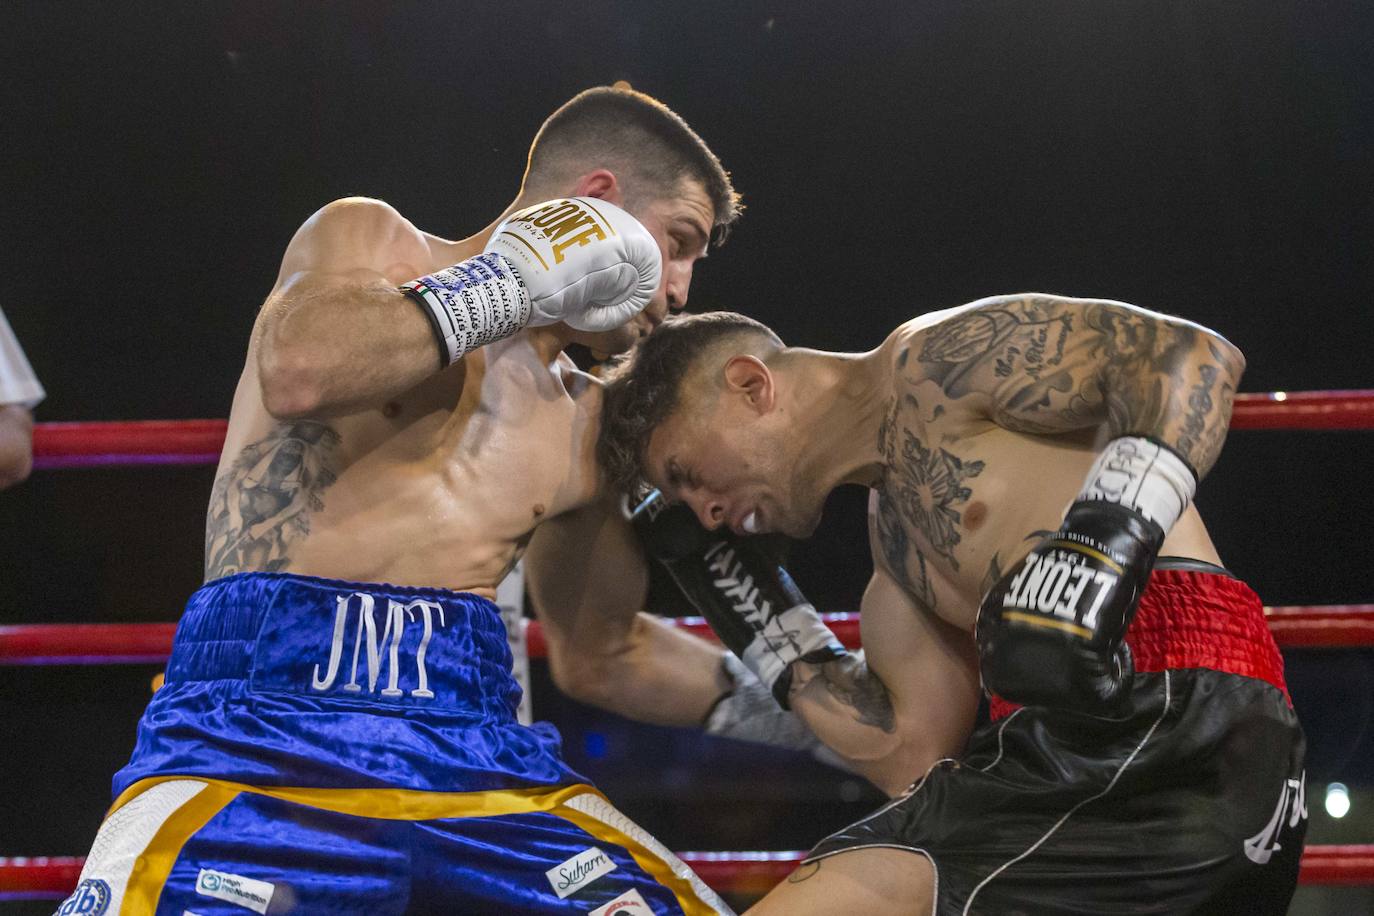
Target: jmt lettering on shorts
pixel 1059 583
pixel 395 619
pixel 560 222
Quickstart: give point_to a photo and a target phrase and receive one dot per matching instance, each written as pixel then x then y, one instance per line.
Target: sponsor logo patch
pixel 1291 808
pixel 627 904
pixel 246 892
pixel 579 871
pixel 91 898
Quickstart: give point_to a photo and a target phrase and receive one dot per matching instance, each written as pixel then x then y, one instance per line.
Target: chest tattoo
pixel 923 490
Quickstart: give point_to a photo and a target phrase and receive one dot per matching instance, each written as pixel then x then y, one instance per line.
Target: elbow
pixel 585 678
pixel 292 384
pixel 15 469
pixel 16 445
pixel 1229 354
pixel 581 682
pixel 893 765
pixel 1210 348
pixel 906 761
pixel 289 397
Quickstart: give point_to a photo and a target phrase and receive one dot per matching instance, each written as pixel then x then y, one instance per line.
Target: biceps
pixel 1049 364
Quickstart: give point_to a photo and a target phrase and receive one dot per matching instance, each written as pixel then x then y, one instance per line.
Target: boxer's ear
pixel 748 376
pixel 600 184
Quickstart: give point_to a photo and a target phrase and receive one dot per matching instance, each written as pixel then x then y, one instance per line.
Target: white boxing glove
pixel 577 260
pixel 583 261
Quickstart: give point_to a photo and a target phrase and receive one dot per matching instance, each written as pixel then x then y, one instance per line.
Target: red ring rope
pixel 58 445
pixel 69 445
pixel 1336 626
pixel 744 873
pixel 79 445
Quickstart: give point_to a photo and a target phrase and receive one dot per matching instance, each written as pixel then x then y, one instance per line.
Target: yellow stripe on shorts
pixel 392 804
pixel 577 804
pixel 151 869
pixel 687 892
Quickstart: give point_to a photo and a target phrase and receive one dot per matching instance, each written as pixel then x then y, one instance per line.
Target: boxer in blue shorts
pixel 328 743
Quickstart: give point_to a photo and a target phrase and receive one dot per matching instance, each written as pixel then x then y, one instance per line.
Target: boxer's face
pixel 737 467
pixel 681 225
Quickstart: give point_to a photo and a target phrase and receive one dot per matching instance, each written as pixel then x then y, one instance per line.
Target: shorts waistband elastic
pixel 1193 619
pixel 334 639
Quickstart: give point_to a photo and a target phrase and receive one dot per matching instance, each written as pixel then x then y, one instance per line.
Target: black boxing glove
pixel 750 601
pixel 1051 631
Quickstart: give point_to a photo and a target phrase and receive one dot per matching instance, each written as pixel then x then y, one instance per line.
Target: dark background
pixel 1209 159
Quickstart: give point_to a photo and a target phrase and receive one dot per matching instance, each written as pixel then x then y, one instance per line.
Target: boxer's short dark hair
pixel 651 149
pixel 644 386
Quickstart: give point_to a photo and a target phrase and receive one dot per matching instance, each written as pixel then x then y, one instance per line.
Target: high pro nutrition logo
pixel 246 892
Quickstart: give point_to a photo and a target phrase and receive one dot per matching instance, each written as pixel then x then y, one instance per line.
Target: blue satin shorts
pixel 336 747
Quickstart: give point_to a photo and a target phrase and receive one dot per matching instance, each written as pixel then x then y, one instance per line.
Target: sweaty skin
pixel 974 428
pixel 350 456
pixel 990 425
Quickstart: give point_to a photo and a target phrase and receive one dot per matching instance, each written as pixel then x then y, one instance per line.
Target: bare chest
pixel 442 487
pixel 958 503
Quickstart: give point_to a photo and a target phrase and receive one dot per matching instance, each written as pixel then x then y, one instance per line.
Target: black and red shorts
pixel 1190 801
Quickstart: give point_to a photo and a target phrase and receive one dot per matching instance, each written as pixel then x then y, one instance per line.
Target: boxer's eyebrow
pixel 672 475
pixel 700 236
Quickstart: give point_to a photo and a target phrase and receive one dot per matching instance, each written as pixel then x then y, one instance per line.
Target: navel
pixel 391 409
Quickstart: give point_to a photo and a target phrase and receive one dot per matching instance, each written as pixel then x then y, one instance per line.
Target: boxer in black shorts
pixel 1156 765
pixel 1148 810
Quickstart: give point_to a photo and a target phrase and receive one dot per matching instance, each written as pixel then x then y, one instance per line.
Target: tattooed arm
pixel 1049 364
pixel 906 701
pixel 336 336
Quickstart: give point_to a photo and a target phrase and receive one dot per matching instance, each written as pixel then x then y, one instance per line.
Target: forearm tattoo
pixel 1212 396
pixel 850 681
pixel 1053 365
pixel 264 500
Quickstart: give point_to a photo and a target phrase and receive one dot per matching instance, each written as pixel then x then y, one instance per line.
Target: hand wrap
pixel 471 304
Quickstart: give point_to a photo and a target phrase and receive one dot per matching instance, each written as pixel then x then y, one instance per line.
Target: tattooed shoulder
pixel 264 501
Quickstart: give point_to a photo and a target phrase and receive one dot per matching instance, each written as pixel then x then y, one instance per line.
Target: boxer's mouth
pixel 750 523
